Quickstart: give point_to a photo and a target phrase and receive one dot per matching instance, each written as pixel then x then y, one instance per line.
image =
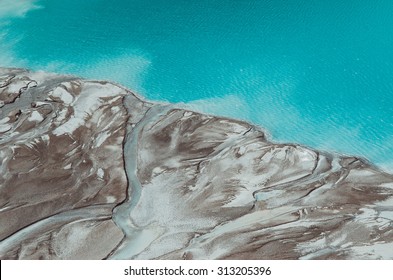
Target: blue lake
pixel 318 73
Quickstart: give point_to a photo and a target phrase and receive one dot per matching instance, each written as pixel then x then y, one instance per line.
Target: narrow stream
pixel 136 238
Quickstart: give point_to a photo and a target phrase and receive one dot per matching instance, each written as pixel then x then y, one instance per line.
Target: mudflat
pixel 90 170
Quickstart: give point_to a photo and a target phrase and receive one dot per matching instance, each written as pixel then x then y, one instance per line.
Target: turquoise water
pixel 312 72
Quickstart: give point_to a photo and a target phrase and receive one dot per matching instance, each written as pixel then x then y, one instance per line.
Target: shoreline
pixel 382 166
pixel 172 183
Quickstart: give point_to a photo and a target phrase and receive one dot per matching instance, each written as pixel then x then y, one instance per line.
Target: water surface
pixel 312 72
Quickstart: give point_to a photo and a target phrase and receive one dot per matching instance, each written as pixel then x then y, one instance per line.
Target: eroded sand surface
pixel 91 171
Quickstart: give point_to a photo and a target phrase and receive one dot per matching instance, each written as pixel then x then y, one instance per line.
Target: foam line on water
pixel 12 8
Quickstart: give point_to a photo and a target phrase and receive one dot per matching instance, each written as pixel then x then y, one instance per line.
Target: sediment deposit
pixel 90 170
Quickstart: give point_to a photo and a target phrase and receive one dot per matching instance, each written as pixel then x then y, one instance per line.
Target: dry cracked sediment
pixel 91 171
